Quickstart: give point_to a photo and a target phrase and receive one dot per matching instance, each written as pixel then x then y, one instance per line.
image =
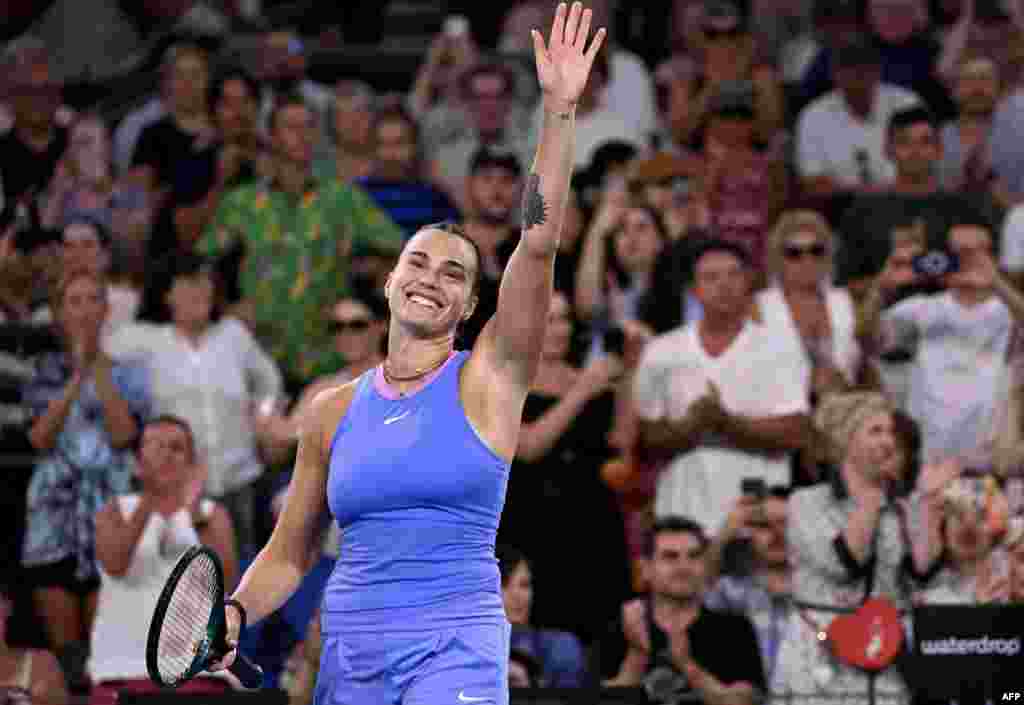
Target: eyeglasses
pixel 354 325
pixel 816 250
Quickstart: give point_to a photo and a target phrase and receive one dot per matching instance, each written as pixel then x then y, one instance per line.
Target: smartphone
pixel 754 486
pixel 935 263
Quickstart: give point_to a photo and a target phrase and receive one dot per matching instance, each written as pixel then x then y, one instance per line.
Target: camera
pixel 934 264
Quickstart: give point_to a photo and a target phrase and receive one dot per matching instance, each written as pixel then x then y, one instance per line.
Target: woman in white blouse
pixel 816 320
pixel 209 371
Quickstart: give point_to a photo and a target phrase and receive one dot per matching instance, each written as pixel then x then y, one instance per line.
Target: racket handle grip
pixel 250 675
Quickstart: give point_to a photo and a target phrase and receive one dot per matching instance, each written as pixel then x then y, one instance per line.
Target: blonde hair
pixel 839 417
pixel 790 223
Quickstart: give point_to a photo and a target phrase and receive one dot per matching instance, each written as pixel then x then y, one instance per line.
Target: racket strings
pixel 184 632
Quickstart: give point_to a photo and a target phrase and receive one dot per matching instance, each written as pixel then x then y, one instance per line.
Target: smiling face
pixel 430 291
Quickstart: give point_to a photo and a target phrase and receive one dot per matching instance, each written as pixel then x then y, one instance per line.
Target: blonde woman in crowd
pixel 847 543
pixel 816 319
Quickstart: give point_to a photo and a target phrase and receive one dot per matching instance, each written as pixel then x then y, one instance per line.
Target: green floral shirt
pixel 297 260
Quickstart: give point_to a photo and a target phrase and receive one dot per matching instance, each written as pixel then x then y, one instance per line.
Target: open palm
pixel 564 64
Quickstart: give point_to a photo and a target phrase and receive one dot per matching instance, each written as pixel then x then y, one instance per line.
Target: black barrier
pixel 518 696
pixel 971 654
pixel 577 696
pixel 262 697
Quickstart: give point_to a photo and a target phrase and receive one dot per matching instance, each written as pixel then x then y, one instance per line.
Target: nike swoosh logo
pixel 396 418
pixel 463 698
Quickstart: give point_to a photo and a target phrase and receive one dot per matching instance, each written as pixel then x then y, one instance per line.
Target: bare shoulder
pixel 326 410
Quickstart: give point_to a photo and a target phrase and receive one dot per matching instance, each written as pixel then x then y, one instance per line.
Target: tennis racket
pixel 188 630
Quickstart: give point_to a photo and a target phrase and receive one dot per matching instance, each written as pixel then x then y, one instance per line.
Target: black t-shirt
pixel 24 169
pixel 162 146
pixel 724 645
pixel 867 228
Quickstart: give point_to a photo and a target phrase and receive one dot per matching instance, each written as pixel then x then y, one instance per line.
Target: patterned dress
pixel 83 471
pixel 825 575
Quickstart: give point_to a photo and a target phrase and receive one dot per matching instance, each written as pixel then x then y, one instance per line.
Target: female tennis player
pixel 412 458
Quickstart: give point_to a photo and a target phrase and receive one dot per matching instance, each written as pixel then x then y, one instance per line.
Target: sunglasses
pixel 354 325
pixel 794 252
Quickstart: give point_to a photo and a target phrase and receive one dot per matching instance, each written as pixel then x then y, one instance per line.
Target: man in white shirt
pixel 719 395
pixel 841 136
pixel 959 338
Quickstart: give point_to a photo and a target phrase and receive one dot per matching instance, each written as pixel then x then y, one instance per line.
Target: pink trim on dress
pixel 388 392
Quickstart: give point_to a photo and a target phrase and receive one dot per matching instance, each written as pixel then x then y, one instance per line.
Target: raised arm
pixel 515 336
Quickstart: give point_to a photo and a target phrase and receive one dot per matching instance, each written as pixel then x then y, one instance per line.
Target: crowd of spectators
pixel 782 371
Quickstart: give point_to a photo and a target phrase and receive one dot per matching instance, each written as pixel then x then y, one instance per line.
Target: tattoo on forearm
pixel 535 210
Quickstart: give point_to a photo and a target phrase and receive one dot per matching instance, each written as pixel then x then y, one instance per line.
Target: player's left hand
pixel 563 66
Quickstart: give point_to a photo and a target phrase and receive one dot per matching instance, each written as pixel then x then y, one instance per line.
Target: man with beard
pixel 670 636
pixel 492 192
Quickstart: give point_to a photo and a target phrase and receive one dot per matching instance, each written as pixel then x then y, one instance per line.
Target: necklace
pixel 417 374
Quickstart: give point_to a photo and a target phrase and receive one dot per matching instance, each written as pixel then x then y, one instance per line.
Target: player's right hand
pixel 234 626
